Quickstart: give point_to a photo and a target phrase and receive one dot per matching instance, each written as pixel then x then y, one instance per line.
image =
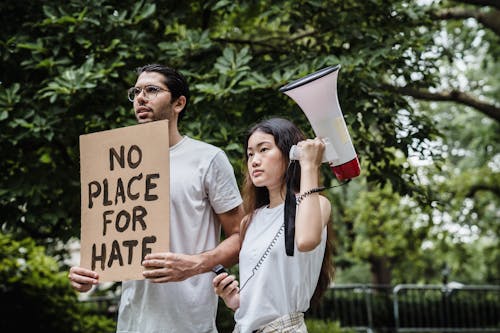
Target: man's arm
pixel 168 266
pixel 227 252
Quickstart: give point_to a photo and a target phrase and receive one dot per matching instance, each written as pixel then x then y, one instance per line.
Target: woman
pixel 276 288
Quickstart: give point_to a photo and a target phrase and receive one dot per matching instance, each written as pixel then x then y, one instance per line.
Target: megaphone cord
pixel 341 184
pixel 301 196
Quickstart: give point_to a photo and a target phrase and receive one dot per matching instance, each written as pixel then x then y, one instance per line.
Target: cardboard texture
pixel 125 199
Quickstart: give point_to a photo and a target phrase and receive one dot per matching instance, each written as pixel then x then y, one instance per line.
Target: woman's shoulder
pixel 325 206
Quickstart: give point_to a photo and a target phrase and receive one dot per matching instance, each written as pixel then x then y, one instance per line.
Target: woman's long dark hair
pixel 285 134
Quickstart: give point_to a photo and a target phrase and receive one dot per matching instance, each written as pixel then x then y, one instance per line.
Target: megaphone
pixel 316 95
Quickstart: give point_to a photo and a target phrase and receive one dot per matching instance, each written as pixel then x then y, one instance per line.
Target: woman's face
pixel 265 164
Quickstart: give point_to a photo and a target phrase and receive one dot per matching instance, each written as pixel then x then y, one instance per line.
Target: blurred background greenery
pixel 418 88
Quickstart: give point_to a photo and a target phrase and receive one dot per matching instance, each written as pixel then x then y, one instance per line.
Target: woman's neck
pixel 276 197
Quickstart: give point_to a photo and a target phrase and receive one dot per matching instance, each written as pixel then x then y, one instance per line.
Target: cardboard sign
pixel 125 197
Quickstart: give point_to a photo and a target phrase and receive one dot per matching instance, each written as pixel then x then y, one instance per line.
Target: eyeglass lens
pixel 149 92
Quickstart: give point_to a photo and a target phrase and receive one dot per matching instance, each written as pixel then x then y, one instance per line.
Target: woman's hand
pixel 226 287
pixel 311 152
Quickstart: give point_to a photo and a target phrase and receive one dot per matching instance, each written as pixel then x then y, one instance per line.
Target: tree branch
pixel 492 3
pixel 490 20
pixel 490 110
pixel 476 188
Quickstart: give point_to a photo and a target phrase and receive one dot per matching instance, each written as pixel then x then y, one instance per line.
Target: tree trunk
pixel 380 269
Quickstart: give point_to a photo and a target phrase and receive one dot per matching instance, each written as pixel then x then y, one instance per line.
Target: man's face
pixel 149 107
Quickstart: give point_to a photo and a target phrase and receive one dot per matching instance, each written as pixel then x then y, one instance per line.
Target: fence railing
pixel 401 309
pixel 361 307
pixel 446 309
pixel 412 308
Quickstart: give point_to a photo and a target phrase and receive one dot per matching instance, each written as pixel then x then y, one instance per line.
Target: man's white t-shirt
pixel 202 184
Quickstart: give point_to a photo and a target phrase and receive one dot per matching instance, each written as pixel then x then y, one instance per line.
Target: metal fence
pixel 358 306
pixel 412 308
pixel 401 309
pixel 446 309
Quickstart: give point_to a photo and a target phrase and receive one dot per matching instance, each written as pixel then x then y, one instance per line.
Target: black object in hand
pixel 218 269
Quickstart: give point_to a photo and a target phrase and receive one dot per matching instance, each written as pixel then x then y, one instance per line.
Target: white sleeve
pixel 220 184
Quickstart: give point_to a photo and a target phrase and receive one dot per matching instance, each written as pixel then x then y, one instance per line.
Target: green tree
pixel 466 211
pixel 66 67
pixel 31 283
pixel 389 232
pixel 67 64
pixel 468 29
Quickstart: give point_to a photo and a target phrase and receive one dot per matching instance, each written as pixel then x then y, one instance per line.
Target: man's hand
pixel 171 267
pixel 82 279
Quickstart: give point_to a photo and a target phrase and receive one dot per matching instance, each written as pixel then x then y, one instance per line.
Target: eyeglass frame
pixel 146 94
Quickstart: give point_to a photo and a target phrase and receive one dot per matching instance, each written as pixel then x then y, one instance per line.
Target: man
pixel 177 295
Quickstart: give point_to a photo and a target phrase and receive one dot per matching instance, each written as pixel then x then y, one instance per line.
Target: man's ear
pixel 179 104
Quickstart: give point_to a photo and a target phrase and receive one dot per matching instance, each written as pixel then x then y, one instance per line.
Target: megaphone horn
pixel 316 95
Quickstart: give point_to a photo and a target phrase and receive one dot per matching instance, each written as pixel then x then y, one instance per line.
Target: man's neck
pixel 174 137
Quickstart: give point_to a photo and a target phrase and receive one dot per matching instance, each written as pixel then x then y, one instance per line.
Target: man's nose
pixel 141 97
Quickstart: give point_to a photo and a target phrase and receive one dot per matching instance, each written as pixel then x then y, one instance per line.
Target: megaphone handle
pixel 294 153
pixel 329 154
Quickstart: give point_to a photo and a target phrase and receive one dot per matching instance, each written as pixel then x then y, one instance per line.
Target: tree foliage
pixel 30 282
pixel 66 67
pixel 66 70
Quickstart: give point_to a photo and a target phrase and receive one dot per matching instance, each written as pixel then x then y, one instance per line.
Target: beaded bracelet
pixel 305 194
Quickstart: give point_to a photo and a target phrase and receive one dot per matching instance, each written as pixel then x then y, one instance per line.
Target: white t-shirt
pixel 202 184
pixel 282 284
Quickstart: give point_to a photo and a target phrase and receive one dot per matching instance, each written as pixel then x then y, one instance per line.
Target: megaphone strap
pixel 290 208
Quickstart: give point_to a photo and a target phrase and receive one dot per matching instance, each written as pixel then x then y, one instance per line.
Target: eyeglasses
pixel 150 92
